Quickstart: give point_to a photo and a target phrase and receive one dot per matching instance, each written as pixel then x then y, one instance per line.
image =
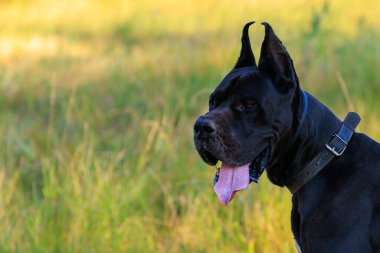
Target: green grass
pixel 97 104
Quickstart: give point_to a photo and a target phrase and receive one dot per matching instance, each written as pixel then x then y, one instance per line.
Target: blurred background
pixel 97 104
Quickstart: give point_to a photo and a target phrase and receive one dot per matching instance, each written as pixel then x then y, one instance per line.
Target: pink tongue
pixel 231 180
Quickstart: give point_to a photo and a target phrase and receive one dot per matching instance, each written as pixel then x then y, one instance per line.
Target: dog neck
pixel 298 147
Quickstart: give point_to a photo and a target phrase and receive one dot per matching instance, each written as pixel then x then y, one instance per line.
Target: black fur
pixel 259 107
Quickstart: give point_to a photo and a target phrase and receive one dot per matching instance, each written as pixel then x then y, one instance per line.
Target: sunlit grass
pixel 97 104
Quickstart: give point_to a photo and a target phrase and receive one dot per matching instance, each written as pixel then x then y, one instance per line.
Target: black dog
pixel 259 117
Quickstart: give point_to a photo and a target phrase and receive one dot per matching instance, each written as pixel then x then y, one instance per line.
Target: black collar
pixel 335 147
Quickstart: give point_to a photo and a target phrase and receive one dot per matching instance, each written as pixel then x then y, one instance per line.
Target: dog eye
pixel 248 105
pixel 212 104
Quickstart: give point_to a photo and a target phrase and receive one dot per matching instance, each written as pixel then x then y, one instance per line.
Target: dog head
pixel 250 111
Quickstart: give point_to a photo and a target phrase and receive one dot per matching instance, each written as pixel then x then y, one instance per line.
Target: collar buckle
pixel 332 150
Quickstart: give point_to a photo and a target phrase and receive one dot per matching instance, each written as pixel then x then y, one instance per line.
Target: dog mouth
pixel 208 157
pixel 230 179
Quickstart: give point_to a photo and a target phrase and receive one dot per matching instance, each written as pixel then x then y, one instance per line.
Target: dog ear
pixel 276 62
pixel 246 58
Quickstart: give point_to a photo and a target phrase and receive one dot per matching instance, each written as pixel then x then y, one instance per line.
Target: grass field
pixel 97 104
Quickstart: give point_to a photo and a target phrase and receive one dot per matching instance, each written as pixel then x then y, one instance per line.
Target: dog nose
pixel 204 127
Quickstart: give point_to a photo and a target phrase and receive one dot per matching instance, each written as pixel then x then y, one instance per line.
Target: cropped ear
pixel 276 62
pixel 246 58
